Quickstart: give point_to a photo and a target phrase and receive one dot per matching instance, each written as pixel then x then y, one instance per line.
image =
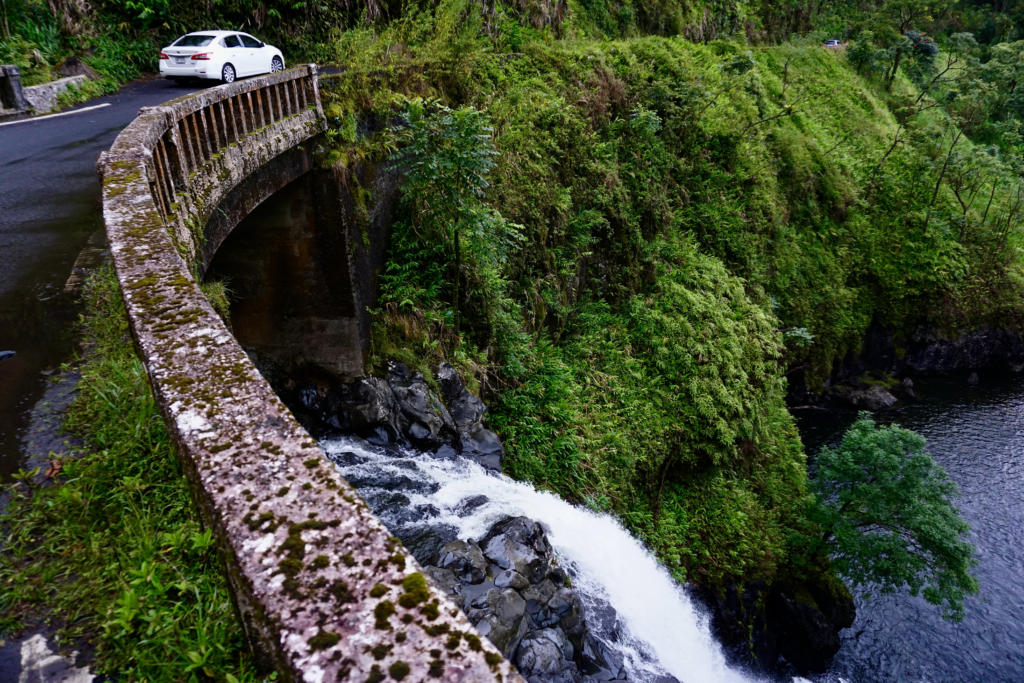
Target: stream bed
pixel 634 609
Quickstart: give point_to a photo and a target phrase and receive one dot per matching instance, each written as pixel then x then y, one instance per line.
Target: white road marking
pixel 53 116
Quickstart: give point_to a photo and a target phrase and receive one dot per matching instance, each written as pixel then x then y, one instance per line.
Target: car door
pixel 234 53
pixel 255 62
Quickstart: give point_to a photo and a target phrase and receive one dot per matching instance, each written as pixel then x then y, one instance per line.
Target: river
pixel 977 434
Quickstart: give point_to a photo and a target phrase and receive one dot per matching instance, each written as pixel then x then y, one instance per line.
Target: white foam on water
pixel 662 622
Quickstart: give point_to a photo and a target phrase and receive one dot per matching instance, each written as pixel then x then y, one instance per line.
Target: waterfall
pixel 659 631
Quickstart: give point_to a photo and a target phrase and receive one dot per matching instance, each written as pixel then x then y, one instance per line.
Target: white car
pixel 218 55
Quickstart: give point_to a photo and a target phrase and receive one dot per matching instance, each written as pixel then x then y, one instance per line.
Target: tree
pixel 447 157
pixel 888 518
pixel 907 14
pixel 863 54
pixel 919 47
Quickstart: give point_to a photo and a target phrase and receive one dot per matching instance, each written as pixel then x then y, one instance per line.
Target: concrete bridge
pixel 322 589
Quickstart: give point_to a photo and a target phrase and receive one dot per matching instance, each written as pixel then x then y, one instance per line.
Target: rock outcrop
pixel 789 626
pixel 512 589
pixel 402 409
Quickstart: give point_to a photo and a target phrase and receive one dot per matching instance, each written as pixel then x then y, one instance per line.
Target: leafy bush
pixel 33 43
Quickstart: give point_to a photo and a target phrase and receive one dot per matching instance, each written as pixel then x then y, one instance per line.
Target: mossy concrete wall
pixel 44 97
pixel 324 592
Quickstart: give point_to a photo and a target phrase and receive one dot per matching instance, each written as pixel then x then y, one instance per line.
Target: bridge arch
pixel 317 580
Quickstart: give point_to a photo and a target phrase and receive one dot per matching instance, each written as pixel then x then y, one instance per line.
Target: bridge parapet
pixel 323 591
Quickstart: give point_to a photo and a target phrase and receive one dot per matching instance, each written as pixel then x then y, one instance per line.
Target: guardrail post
pixel 179 161
pixel 316 90
pixel 11 94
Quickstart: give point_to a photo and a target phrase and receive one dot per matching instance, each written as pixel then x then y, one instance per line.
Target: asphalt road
pixel 49 207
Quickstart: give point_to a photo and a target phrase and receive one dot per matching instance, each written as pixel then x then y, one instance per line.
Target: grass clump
pixel 112 553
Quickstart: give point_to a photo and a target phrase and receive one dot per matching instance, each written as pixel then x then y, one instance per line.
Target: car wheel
pixel 227 74
pixel 276 64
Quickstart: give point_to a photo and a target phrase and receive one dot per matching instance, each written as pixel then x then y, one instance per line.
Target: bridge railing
pixel 323 591
pixel 208 122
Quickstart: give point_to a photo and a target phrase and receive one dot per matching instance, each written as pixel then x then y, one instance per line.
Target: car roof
pixel 216 34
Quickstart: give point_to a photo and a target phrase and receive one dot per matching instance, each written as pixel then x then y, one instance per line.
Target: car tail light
pixel 163 55
pixel 201 55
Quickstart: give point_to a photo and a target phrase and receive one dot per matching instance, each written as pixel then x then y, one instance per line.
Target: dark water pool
pixel 977 435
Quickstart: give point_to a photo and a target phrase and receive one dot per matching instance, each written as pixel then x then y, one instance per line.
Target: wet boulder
pixel 598 662
pixel 512 589
pixel 476 442
pixel 466 409
pixel 873 397
pixel 465 560
pixel 426 542
pixel 446 580
pixel 422 417
pixel 399 409
pixel 520 544
pixel 365 407
pixel 546 655
pixel 483 447
pixel 499 614
pixel 511 578
pixel 377 478
pixel 469 505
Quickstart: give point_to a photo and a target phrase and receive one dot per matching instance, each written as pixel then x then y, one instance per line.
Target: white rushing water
pixel 664 629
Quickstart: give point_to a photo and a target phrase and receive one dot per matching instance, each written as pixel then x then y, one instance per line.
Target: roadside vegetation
pixel 119 39
pixel 111 554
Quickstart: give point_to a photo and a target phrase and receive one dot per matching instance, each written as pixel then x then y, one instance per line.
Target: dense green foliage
pixel 668 412
pixel 112 551
pixel 889 519
pixel 36 42
pixel 695 220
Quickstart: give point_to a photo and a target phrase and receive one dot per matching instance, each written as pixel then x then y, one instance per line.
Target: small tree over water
pixel 888 516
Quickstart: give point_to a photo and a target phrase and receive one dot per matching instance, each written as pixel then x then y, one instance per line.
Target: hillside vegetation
pixel 691 220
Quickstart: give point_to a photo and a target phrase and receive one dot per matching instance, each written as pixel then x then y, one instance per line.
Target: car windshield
pixel 193 40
